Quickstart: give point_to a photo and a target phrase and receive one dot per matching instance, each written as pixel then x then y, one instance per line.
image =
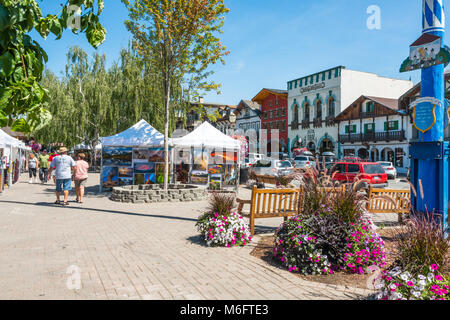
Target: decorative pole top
pixel 433 19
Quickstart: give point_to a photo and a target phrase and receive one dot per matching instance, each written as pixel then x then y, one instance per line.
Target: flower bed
pixel 221 227
pixel 221 230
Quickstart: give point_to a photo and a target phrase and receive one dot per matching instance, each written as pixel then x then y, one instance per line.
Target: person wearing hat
pixel 43 166
pixel 63 166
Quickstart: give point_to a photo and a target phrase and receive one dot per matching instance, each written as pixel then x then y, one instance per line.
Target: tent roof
pixel 6 140
pixel 141 134
pixel 207 136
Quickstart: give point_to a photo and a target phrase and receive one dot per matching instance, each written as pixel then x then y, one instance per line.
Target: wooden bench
pixel 272 203
pixel 400 204
pixel 266 179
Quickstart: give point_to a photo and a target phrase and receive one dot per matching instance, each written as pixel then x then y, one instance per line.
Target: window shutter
pixel 386 126
pixel 354 128
pixel 396 125
pixel 366 126
pixel 346 129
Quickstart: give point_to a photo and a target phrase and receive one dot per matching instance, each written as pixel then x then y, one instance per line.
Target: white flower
pixel 430 277
pixel 404 276
pixel 422 283
pixel 393 286
pixel 416 294
pixel 422 277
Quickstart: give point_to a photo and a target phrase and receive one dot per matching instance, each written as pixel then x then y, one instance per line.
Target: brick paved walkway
pixel 130 251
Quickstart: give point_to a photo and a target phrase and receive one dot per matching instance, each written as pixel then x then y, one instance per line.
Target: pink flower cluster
pixel 365 248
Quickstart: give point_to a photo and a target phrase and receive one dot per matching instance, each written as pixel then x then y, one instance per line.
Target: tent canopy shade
pixel 7 141
pixel 207 136
pixel 142 134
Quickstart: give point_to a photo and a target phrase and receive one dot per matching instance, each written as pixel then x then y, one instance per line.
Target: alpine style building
pixel 314 102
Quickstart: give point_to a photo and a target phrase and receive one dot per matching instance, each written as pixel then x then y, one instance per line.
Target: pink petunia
pixel 434 267
pixel 438 278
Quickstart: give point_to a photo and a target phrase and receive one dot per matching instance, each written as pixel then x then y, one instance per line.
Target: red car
pixel 370 171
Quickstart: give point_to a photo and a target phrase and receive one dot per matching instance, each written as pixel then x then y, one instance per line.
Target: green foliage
pixel 420 243
pixel 22 60
pixel 179 37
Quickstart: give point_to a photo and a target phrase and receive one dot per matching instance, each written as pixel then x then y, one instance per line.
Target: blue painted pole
pixel 432 171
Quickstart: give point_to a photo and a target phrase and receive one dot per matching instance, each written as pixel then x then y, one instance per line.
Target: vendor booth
pixel 132 157
pixel 209 157
pixel 12 151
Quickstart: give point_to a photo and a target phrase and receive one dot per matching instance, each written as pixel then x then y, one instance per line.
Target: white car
pixel 271 167
pixel 252 158
pixel 389 168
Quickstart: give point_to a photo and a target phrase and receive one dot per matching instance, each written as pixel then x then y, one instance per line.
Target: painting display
pixel 229 175
pixel 125 181
pixel 125 172
pixel 117 156
pixel 149 178
pixel 139 179
pixel 144 167
pixel 110 177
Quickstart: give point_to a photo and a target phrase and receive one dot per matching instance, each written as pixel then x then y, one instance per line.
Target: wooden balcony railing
pixel 306 124
pixel 373 136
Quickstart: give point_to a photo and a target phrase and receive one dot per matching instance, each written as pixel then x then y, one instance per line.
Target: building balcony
pixel 306 124
pixel 329 121
pixel 317 122
pixel 295 125
pixel 373 137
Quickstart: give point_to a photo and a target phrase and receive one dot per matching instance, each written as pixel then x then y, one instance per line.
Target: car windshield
pixel 284 164
pixel 385 164
pixel 262 164
pixel 373 169
pixel 301 159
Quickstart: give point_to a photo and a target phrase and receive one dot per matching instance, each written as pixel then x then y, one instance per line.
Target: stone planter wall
pixel 155 193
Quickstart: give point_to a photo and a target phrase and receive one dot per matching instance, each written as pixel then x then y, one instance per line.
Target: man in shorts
pixel 63 166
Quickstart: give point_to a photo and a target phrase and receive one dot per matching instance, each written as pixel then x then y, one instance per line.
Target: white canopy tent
pixel 142 134
pixel 206 136
pixel 11 151
pixel 83 146
pixel 7 141
pixel 209 137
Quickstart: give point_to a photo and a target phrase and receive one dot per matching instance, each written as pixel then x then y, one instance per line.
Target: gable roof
pixel 388 103
pixel 264 93
pixel 142 134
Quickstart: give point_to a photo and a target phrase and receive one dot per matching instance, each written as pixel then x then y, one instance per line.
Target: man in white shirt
pixel 63 166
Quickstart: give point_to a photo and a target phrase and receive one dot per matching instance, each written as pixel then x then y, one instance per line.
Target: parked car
pixel 272 167
pixel 328 158
pixel 373 172
pixel 304 162
pixel 278 155
pixel 389 168
pixel 252 158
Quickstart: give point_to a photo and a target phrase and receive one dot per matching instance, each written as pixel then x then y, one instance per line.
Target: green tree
pixel 179 37
pixel 23 100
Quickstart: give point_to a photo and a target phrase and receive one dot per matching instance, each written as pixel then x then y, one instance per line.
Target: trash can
pixel 243 176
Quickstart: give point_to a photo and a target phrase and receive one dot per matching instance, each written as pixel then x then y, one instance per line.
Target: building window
pixel 329 75
pixel 276 101
pixel 319 110
pixel 370 106
pixel 391 126
pixel 270 103
pixel 399 156
pixel 276 113
pixel 270 114
pixel 301 83
pixel 283 112
pixel 306 112
pixel 296 113
pixel 323 76
pixel 295 84
pixel 311 80
pixel 369 128
pixel 331 107
pixel 350 128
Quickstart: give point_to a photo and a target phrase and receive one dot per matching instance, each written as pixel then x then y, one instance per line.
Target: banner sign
pixel 426 52
pixel 424 116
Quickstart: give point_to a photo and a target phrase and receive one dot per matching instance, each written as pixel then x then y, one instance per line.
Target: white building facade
pixel 375 129
pixel 315 100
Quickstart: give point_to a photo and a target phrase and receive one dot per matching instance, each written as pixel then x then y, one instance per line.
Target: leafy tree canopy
pixel 23 100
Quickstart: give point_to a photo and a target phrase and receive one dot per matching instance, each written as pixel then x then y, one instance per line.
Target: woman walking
pixel 80 176
pixel 33 165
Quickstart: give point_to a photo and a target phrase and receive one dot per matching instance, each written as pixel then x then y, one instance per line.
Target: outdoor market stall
pixel 11 153
pixel 213 156
pixel 132 157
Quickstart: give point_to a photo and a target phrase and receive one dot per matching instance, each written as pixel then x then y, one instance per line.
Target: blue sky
pixel 274 41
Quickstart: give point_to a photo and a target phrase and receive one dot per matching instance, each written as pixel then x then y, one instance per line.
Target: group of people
pixel 64 169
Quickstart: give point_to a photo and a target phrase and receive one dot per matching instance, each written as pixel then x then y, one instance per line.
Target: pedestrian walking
pixel 33 165
pixel 63 167
pixel 52 172
pixel 80 176
pixel 43 166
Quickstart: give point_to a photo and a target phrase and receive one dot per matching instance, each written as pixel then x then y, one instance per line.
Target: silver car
pixel 305 162
pixel 271 167
pixel 389 168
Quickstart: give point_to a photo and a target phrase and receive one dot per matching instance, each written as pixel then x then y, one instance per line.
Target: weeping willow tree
pixel 90 101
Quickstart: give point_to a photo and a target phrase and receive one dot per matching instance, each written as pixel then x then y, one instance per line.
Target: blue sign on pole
pixel 424 113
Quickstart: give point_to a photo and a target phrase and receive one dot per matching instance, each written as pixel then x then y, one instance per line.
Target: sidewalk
pixel 130 251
